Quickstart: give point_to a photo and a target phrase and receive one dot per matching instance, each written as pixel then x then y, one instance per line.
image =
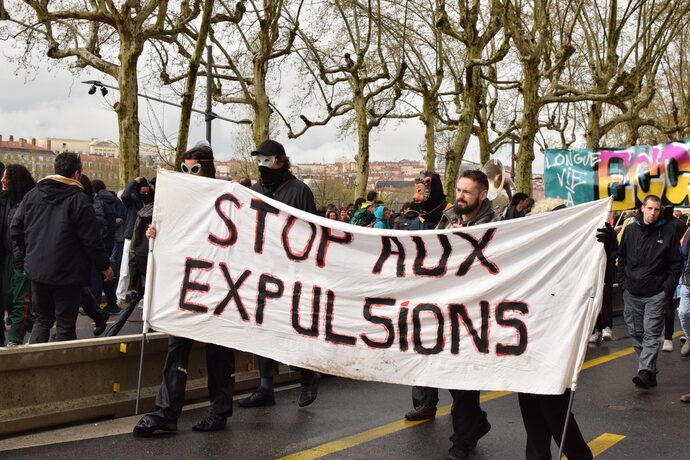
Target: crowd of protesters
pixel 68 242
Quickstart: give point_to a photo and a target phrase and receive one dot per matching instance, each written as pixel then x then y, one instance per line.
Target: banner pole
pixel 148 292
pixel 148 289
pixel 565 425
pixel 141 366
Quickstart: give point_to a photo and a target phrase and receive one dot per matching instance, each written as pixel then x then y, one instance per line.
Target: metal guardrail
pixel 57 383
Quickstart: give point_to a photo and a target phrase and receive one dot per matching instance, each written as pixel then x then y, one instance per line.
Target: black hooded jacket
pixel 292 192
pixel 649 259
pixel 56 230
pixel 133 203
pixel 109 203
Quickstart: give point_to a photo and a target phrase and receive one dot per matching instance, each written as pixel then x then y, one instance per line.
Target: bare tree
pixel 624 48
pixel 111 39
pixel 474 26
pixel 364 82
pixel 249 44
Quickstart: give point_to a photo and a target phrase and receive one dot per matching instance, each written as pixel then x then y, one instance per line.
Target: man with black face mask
pixel 135 195
pixel 277 182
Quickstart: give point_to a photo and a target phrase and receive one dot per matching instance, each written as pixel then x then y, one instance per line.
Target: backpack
pixel 363 217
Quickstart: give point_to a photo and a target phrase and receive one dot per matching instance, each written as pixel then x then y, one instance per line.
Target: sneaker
pixel 421 413
pixel 683 339
pixel 595 337
pixel 668 345
pixel 607 334
pixel 685 398
pixel 685 349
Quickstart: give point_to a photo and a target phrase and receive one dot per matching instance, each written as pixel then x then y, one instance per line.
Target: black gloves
pixel 606 234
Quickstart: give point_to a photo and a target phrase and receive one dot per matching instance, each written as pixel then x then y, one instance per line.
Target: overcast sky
pixel 53 103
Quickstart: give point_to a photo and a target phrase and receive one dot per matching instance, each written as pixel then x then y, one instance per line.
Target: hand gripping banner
pixel 501 306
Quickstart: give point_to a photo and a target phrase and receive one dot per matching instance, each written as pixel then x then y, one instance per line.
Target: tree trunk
pixel 462 138
pixel 464 131
pixel 594 126
pixel 262 110
pixel 189 91
pixel 484 143
pixel 429 114
pixel 362 143
pixel 128 112
pixel 530 127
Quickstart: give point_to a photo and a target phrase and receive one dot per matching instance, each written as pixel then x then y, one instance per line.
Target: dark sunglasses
pixel 193 170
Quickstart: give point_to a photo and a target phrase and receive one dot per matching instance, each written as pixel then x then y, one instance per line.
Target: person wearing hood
pixel 111 207
pixel 56 232
pixel 135 195
pixel 220 361
pixel 381 213
pixel 424 213
pixel 277 182
pixel 429 203
pixel 649 265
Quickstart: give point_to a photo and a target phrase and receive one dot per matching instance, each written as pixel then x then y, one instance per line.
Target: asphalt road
pixel 363 420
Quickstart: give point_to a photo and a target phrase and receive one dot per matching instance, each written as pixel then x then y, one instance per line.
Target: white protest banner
pixel 501 306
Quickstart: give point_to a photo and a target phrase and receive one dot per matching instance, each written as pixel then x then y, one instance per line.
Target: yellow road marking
pixel 384 430
pixel 375 433
pixel 602 443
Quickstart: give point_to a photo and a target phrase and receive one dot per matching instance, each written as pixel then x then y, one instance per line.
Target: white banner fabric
pixel 501 306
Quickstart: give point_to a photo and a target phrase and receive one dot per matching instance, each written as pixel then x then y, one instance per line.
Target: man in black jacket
pixel 649 264
pixel 277 182
pixel 110 205
pixel 56 232
pixel 135 195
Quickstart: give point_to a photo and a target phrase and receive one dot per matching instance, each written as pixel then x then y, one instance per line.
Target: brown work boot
pixel 685 398
pixel 421 413
pixel 685 349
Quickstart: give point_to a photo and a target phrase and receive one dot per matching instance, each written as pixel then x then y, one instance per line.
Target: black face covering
pixel 271 179
pixel 147 198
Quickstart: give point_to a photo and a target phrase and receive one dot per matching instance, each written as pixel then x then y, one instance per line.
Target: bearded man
pixel 471 208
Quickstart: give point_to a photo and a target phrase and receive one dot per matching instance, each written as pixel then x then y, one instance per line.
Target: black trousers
pixel 468 418
pixel 220 364
pixel 605 318
pixel 424 396
pixel 544 417
pixel 269 367
pixel 57 305
pixel 90 305
pixel 670 318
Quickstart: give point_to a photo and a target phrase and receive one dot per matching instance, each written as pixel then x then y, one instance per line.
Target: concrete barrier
pixel 65 382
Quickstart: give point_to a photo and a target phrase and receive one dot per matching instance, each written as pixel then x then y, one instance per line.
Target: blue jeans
pixel 645 319
pixel 684 309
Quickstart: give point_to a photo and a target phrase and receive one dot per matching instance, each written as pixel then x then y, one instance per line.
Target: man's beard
pixel 461 209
